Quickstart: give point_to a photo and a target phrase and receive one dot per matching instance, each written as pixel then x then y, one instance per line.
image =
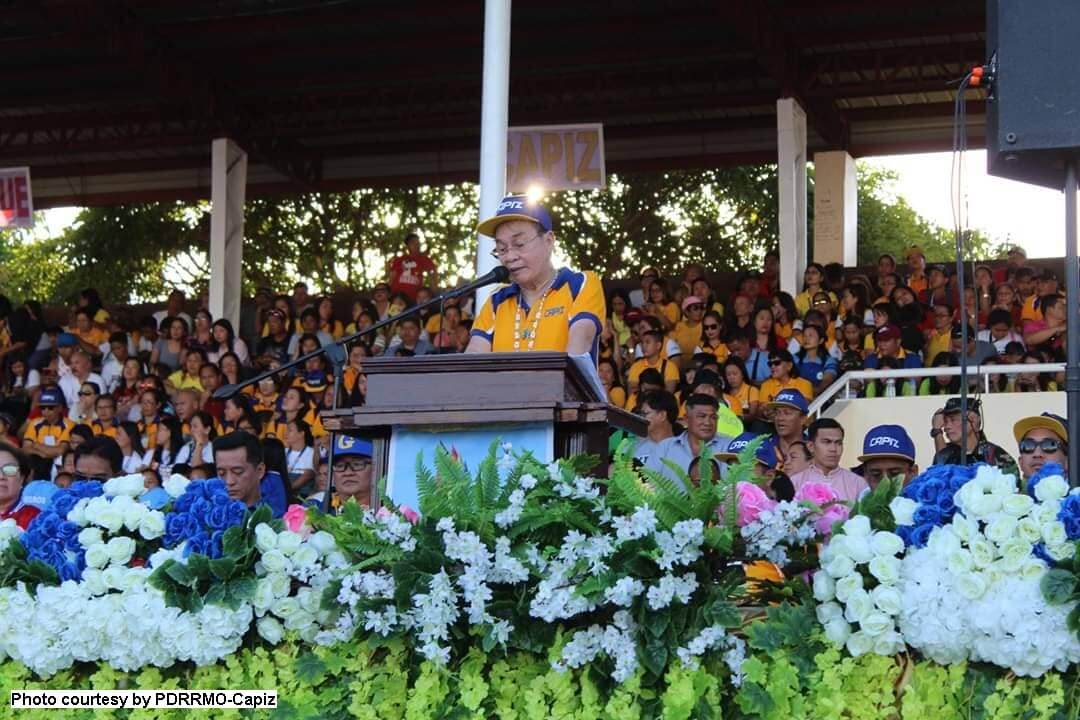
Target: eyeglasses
pixel 9 470
pixel 353 466
pixel 1047 445
pixel 517 246
pixel 712 327
pixel 86 393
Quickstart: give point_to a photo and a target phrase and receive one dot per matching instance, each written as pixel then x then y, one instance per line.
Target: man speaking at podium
pixel 543 308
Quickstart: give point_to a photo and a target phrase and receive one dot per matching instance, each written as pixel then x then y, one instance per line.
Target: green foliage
pixel 228 580
pixel 15 568
pixel 875 505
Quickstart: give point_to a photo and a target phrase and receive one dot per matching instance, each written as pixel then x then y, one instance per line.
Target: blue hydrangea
pixel 1069 515
pixel 201 516
pixel 933 490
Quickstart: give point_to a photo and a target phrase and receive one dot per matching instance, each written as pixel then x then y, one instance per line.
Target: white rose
pixel 860 550
pixel 265 538
pixel 306 556
pixel 286 608
pixel 152 525
pixel 887 543
pixel 963 528
pixel 971 585
pixel 1013 555
pixel 829 611
pixel 309 600
pixel 97 556
pixel 1051 488
pixel 288 542
pixel 280 583
pixel 1032 568
pixel 837 631
pixel 960 561
pixel 943 542
pixel 876 623
pixel 90 536
pixel 120 550
pixel 1029 529
pixel 858 526
pixel 264 595
pixel 94 582
pixel 274 561
pixel 110 518
pixel 175 485
pixel 1001 529
pixel 115 577
pixel 845 586
pixel 1053 533
pixel 77 514
pixel 887 599
pixel 903 510
pixel 824 587
pixel 270 630
pixel 840 566
pixel 130 485
pixel 981 506
pixel 1064 551
pixel 323 542
pixel 837 547
pixel 1017 505
pixel 858 606
pixel 982 552
pixel 886 569
pixel 889 644
pixel 859 644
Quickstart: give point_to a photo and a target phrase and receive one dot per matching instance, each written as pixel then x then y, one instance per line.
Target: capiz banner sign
pixel 16 203
pixel 555 157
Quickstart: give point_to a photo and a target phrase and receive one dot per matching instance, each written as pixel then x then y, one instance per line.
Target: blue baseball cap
pixel 66 340
pixel 51 396
pixel 791 397
pixel 888 441
pixel 347 445
pixel 766 452
pixel 516 207
pixel 767 455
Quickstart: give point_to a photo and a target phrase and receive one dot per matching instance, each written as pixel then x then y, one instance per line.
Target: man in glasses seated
pixel 98 459
pixel 1042 439
pixel 353 473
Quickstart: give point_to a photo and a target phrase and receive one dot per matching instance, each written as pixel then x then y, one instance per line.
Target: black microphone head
pixel 500 274
pixel 225 392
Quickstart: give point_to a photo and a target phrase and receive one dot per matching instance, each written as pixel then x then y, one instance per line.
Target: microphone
pixel 336 350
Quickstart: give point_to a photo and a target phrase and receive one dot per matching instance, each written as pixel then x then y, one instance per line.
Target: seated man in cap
pixel 765 459
pixel 887 344
pixel 701 419
pixel 353 473
pixel 979 449
pixel 1042 439
pixel 888 451
pixel 788 410
pixel 826 448
pixel 48 438
pixel 239 460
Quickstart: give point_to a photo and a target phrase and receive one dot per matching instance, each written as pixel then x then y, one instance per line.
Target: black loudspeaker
pixel 1033 110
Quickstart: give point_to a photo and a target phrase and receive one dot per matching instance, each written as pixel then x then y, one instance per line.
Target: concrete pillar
pixel 836 205
pixel 791 173
pixel 494 120
pixel 227 185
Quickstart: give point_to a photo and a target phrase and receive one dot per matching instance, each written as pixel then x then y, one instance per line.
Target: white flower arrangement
pixel 9 530
pixel 789 524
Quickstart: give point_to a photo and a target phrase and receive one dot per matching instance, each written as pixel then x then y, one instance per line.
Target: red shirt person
pixel 409 272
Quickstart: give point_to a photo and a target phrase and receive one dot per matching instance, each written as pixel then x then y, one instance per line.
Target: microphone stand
pixel 335 352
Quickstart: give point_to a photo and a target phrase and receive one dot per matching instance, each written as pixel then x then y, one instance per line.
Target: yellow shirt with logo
pixel 771 388
pixel 101 429
pixel 41 431
pixel 688 336
pixel 666 368
pixel 574 297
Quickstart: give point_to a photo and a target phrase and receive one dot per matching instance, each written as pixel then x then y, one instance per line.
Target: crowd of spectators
pixel 679 350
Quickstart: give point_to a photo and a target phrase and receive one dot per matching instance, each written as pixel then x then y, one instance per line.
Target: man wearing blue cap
pixel 701 419
pixel 353 472
pixel 888 451
pixel 789 410
pixel 542 308
pixel 47 439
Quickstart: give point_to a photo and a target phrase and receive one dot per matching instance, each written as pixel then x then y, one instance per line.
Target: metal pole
pixel 494 119
pixel 1072 336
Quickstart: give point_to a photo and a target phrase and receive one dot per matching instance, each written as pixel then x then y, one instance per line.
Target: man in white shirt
pixel 827 446
pixel 81 366
pixel 116 352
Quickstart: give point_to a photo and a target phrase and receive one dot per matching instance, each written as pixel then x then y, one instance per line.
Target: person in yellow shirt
pixel 917 280
pixel 542 308
pixel 940 339
pixel 295 405
pixel 712 332
pixel 688 331
pixel 327 322
pixel 106 423
pixel 812 284
pixel 649 382
pixel 187 377
pixel 609 376
pixel 652 345
pixel 90 336
pixel 661 306
pixel 737 385
pixel 787 316
pixel 47 438
pixel 782 367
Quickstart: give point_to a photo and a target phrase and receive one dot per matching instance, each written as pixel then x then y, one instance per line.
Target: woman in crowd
pixel 661 305
pixel 762 344
pixel 941 384
pixel 168 441
pixel 742 312
pixel 618 304
pixel 169 350
pixel 446 328
pixel 609 377
pixel 127 391
pixel 151 403
pixel 737 385
pixel 812 362
pixel 15 472
pixel 788 320
pixel 299 456
pixel 327 322
pixel 84 410
pixel 232 373
pixel 199 450
pixel 226 343
pixel 1035 382
pixel 712 334
pixel 813 279
pixel 136 457
pixel 201 336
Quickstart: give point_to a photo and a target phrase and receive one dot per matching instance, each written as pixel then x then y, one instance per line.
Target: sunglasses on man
pixel 1047 445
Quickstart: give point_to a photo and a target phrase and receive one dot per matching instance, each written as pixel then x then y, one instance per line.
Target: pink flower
pixel 409 514
pixel 296 520
pixel 752 502
pixel 836 512
pixel 821 494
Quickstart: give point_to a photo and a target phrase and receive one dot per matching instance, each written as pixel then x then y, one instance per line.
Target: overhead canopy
pixel 117 101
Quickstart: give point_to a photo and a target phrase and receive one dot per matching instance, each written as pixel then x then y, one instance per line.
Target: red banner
pixel 16 202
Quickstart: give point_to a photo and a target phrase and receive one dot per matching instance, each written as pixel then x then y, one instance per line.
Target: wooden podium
pixel 447 393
